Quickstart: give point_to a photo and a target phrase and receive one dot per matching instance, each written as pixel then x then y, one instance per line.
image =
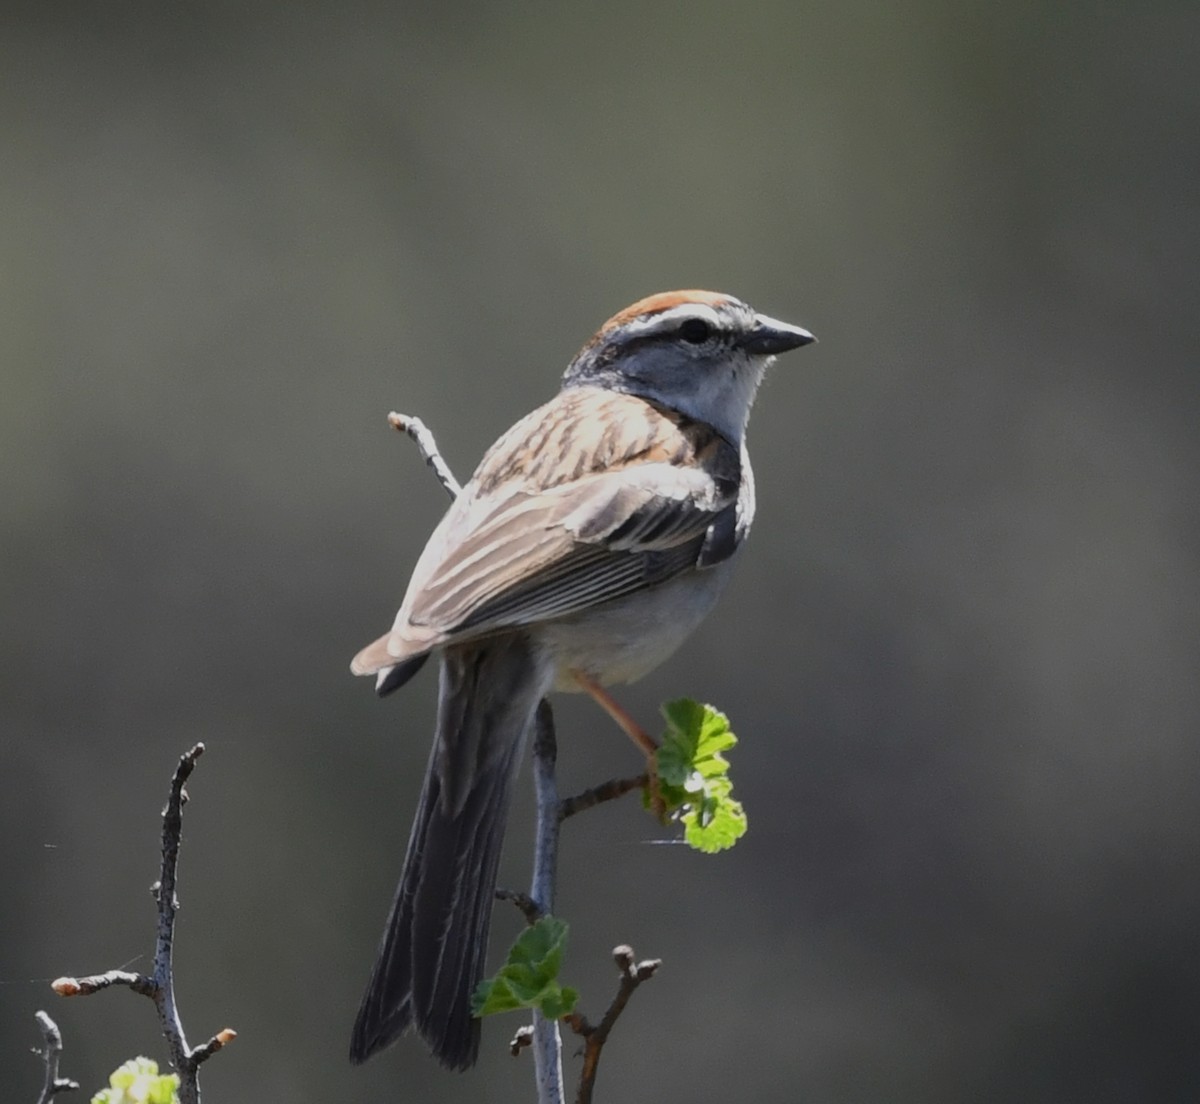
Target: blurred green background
pixel 961 651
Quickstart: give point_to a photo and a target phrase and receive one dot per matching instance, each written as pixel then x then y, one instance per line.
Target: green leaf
pixel 529 978
pixel 139 1082
pixel 693 775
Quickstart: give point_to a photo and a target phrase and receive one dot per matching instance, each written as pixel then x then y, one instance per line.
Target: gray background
pixel 961 651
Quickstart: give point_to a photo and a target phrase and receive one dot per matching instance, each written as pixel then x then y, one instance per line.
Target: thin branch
pixel 606 791
pixel 632 975
pixel 520 1040
pixel 51 1051
pixel 160 986
pixel 528 906
pixel 94 983
pixel 205 1051
pixel 547 1042
pixel 420 433
pixel 168 905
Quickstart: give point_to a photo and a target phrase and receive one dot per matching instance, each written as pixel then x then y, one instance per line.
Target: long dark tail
pixel 432 953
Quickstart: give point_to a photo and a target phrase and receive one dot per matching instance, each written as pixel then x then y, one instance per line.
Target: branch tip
pixel 159 985
pixel 623 957
pixel 631 977
pixel 51 1052
pixel 647 969
pixel 425 441
pixel 530 909
pixel 207 1050
pixel 522 1039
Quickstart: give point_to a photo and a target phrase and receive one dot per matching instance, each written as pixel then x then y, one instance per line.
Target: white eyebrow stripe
pixel 671 318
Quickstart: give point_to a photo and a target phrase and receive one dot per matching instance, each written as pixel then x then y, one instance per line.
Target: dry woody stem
pixel 51 1051
pixel 606 791
pixel 528 907
pixel 424 439
pixel 632 975
pixel 160 985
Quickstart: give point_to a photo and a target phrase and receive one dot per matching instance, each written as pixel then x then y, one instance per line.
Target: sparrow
pixel 590 542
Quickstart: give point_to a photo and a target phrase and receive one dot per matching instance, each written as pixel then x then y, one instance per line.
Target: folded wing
pixel 651 495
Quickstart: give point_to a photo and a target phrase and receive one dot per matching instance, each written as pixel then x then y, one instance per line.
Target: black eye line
pixel 623 344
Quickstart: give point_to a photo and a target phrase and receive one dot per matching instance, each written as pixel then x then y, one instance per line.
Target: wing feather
pixel 644 492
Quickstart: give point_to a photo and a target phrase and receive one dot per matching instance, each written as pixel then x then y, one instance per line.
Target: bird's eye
pixel 695 331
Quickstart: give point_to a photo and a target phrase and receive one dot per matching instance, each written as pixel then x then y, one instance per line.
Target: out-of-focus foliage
pixel 961 646
pixel 139 1082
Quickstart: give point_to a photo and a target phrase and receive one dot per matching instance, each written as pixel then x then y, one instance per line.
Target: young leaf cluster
pixel 693 775
pixel 529 978
pixel 139 1082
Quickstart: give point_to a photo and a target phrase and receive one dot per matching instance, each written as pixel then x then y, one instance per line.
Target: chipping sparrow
pixel 591 540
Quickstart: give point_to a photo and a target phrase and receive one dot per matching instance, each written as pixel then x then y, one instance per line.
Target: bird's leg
pixel 617 712
pixel 645 742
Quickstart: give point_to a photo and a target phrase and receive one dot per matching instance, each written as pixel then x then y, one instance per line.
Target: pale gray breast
pixel 623 640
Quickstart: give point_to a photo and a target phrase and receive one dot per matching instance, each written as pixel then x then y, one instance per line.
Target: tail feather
pixel 433 949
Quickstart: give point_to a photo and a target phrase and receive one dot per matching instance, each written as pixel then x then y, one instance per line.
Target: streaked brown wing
pixel 577 546
pixel 589 498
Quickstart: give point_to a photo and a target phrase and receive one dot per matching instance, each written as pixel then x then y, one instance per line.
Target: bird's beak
pixel 771 336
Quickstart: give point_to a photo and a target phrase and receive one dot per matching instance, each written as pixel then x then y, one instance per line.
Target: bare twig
pixel 520 1040
pixel 51 1051
pixel 547 1042
pixel 160 986
pixel 93 983
pixel 205 1051
pixel 425 441
pixel 606 791
pixel 595 1036
pixel 528 906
